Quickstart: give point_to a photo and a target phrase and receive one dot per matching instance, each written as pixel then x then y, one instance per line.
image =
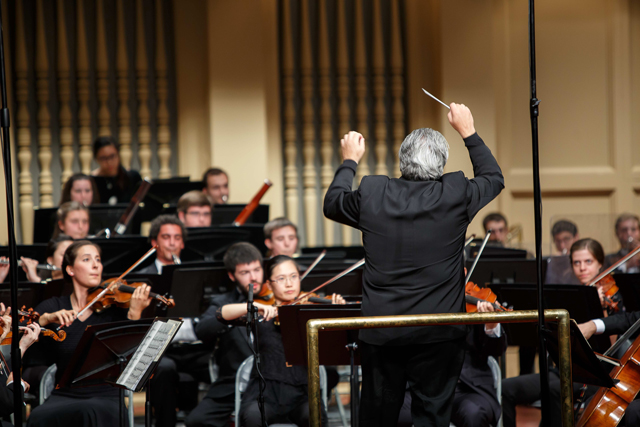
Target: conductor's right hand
pixel 266 311
pixel 352 146
pixel 461 120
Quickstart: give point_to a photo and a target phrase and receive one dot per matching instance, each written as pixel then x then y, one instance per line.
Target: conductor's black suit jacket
pixel 413 234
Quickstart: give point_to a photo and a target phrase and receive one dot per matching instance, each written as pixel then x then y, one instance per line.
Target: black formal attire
pixel 232 349
pixel 413 234
pixel 475 402
pixel 87 406
pixel 6 396
pixel 150 269
pixel 109 190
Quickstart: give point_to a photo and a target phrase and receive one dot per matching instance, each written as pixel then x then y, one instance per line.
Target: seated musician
pixel 54 254
pixel 281 237
pixel 497 223
pixel 194 209
pixel 80 188
pixel 616 324
pixel 115 184
pixel 286 395
pixel 215 184
pixel 92 406
pixel 243 263
pixel 30 335
pixel 586 257
pixel 628 234
pixel 73 220
pixel 559 269
pixel 168 233
pixel 475 402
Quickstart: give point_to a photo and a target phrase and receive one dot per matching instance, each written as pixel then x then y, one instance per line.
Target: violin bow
pixel 313 265
pixel 469 240
pixel 333 279
pixel 106 289
pixel 475 262
pixel 609 270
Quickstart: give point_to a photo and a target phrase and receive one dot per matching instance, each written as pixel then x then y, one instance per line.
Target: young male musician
pixel 281 237
pixel 215 184
pixel 497 223
pixel 168 232
pixel 413 230
pixel 194 209
pixel 243 262
pixel 628 234
pixel 559 270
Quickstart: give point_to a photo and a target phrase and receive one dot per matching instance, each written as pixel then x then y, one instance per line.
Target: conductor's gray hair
pixel 423 154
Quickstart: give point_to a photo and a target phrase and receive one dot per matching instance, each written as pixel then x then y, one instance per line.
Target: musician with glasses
pixel 194 209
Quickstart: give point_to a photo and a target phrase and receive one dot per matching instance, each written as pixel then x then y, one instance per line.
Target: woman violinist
pixel 286 395
pixel 93 406
pixel 587 258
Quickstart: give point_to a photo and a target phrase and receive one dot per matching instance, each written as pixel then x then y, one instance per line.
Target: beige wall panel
pixel 635 93
pixel 242 77
pixel 194 151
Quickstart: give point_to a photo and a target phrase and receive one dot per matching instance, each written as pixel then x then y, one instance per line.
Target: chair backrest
pixel 243 375
pixel 48 382
pixel 497 381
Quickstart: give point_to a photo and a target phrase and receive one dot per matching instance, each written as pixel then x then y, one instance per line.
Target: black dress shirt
pixel 413 234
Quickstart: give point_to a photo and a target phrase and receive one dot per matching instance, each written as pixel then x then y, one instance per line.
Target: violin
pixel 32 316
pixel 474 293
pixel 118 293
pixel 253 204
pixel 265 296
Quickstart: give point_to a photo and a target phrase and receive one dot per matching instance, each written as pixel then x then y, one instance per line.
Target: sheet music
pixel 150 350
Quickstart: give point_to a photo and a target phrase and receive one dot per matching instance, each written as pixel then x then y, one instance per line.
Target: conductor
pixel 413 231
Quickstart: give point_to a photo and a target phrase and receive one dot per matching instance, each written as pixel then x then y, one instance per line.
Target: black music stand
pixel 29 294
pixel 350 284
pixel 494 250
pixel 210 243
pixel 226 214
pixel 343 252
pixel 336 347
pixel 119 252
pixel 103 353
pixel 164 193
pixel 586 367
pixel 582 303
pixel 505 270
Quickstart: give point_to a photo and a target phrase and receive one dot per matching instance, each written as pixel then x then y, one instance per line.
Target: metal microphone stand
pixel 252 332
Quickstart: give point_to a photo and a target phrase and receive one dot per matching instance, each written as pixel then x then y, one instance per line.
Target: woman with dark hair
pixel 115 183
pixel 587 258
pixel 80 188
pixel 286 395
pixel 92 406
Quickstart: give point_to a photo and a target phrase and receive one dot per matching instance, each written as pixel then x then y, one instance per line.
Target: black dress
pixel 88 406
pixel 111 193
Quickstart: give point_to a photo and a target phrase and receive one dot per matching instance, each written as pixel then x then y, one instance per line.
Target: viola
pixel 265 296
pixel 474 293
pixel 610 289
pixel 30 316
pixel 118 293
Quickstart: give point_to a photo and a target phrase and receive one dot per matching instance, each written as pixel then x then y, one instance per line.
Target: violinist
pixel 243 263
pixel 281 237
pixel 628 233
pixel 286 395
pixel 215 184
pixel 73 220
pixel 115 184
pixel 168 233
pixel 93 406
pixel 30 335
pixel 586 257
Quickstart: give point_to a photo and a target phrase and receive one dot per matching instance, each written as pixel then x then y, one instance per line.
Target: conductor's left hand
pixel 352 146
pixel 139 301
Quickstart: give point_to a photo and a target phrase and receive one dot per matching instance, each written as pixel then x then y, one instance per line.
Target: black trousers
pixel 431 371
pixel 283 403
pixel 63 411
pixel 212 412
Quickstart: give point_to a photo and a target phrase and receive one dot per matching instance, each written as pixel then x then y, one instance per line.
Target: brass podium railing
pixel 528 316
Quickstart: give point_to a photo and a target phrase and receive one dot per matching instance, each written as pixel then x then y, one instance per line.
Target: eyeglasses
pixel 109 158
pixel 200 214
pixel 281 280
